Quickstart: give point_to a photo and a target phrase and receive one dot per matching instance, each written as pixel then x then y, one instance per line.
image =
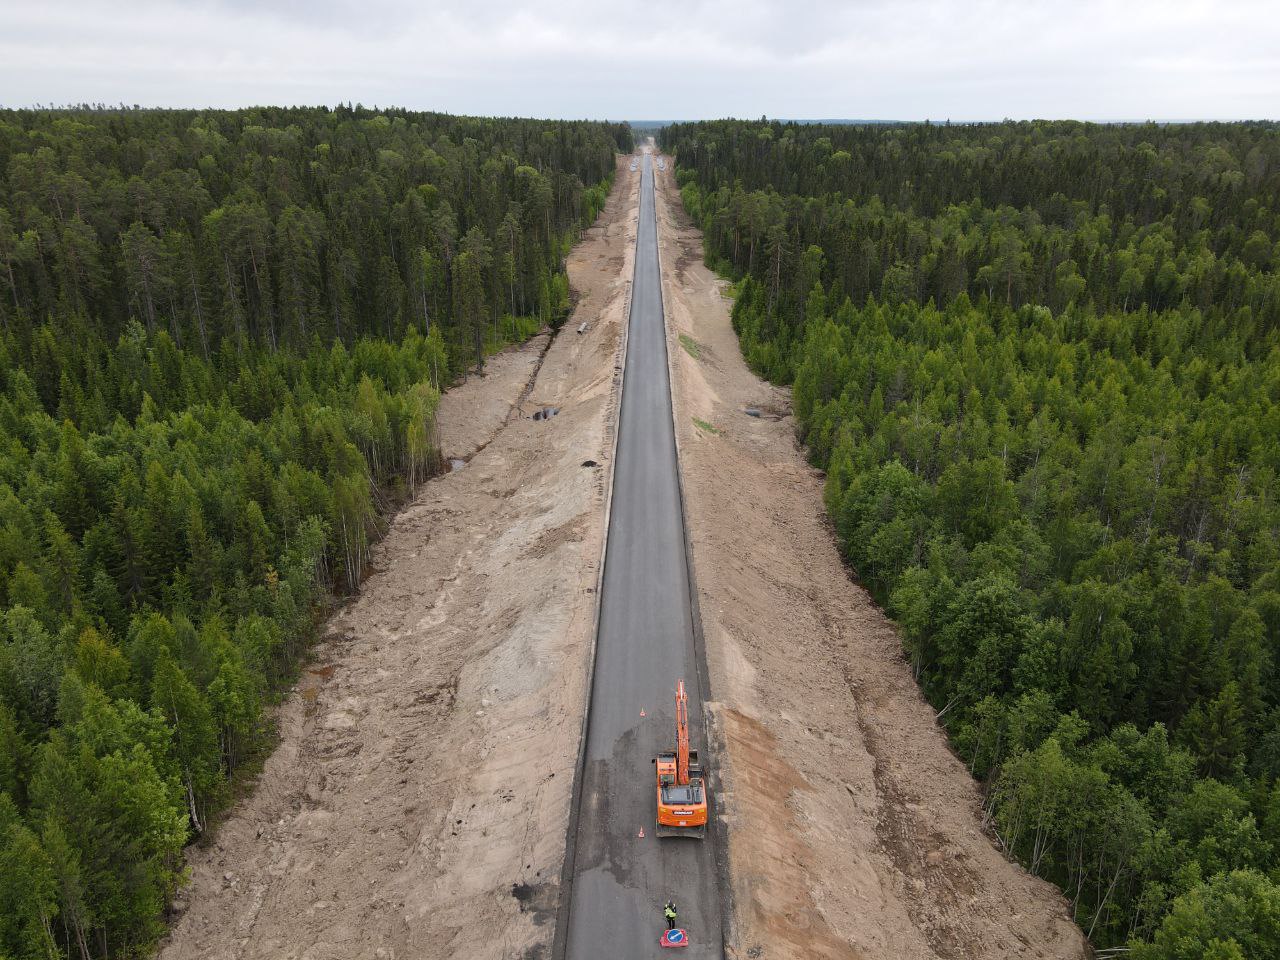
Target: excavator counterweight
pixel 682 792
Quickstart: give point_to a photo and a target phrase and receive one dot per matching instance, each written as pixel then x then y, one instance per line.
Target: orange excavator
pixel 682 793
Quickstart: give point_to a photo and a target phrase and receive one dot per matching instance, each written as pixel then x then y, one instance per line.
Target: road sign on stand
pixel 674 938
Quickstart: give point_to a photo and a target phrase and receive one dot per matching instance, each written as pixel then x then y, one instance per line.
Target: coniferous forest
pixel 1040 365
pixel 223 336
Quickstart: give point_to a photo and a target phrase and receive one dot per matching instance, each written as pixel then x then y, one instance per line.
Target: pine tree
pixel 1215 730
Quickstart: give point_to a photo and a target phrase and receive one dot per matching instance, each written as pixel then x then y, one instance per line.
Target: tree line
pixel 276 226
pixel 223 337
pixel 1040 364
pixel 1043 214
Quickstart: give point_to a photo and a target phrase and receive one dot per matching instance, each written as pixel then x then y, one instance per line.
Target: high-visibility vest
pixel 669 913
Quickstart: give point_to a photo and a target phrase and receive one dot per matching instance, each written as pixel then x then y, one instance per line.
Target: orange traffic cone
pixel 642 711
pixel 641 834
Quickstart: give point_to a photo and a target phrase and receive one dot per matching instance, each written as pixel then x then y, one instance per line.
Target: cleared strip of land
pixel 418 802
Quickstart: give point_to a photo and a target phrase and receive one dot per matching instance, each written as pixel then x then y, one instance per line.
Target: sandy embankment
pixel 417 803
pixel 853 830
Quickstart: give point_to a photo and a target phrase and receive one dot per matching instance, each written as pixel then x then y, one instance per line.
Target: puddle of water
pixel 456 464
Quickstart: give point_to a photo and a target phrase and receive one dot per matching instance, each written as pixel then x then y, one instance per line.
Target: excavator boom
pixel 682 735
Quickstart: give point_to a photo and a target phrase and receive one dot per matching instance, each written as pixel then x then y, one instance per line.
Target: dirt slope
pixel 417 803
pixel 853 831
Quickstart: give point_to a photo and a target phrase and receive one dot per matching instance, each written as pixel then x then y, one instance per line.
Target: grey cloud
pixel 864 58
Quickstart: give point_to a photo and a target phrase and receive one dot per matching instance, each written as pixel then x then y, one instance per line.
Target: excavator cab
pixel 682 792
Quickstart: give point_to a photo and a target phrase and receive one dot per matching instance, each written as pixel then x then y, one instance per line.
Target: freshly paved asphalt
pixel 644 645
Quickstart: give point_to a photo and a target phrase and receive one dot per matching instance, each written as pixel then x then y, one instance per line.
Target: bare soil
pixel 853 831
pixel 418 801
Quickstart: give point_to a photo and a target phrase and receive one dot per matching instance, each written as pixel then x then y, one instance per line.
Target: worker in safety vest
pixel 669 911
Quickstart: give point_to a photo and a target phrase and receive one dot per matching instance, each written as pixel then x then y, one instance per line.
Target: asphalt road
pixel 645 644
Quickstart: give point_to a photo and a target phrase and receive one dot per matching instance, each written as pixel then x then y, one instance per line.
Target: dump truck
pixel 682 792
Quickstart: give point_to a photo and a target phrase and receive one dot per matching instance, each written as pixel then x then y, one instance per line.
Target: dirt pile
pixel 417 803
pixel 853 830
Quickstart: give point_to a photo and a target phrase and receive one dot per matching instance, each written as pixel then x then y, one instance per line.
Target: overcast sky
pixel 659 59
